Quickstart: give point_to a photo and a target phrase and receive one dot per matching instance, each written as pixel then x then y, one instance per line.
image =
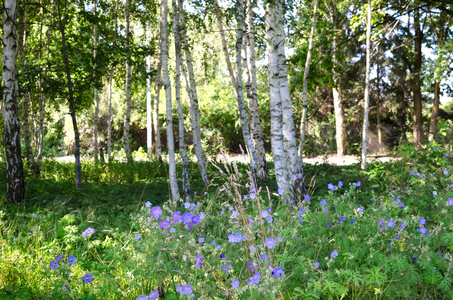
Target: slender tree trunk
pixel 303 121
pixel 15 185
pixel 340 126
pixel 436 103
pixel 127 118
pixel 293 161
pixel 378 108
pixel 96 94
pixel 195 116
pixel 71 98
pixel 182 145
pixel 252 93
pixel 42 101
pixel 418 122
pixel 25 103
pixel 110 113
pixel 367 88
pixel 157 98
pixel 149 109
pixel 278 151
pixel 237 83
pixel 170 141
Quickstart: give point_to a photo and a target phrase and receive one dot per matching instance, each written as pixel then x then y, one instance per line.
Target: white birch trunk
pixel 96 94
pixel 157 87
pixel 278 151
pixel 149 109
pixel 195 116
pixel 340 124
pixel 127 118
pixel 237 83
pixel 182 145
pixel 15 186
pixel 367 88
pixel 293 161
pixel 170 140
pixel 303 122
pixel 252 94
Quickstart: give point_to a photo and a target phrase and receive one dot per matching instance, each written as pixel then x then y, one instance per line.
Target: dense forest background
pixel 104 68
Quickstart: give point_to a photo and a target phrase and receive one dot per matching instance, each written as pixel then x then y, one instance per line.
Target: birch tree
pixel 237 81
pixel 167 86
pixel 149 109
pixel 181 131
pixel 157 87
pixel 367 88
pixel 110 113
pixel 278 151
pixel 252 93
pixel 127 118
pixel 15 185
pixel 303 121
pixel 294 163
pixel 193 98
pixel 340 124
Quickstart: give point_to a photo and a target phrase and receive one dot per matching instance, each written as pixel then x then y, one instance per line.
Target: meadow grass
pixel 384 233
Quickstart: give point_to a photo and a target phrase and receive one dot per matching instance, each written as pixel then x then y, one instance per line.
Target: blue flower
pixel 255 279
pixel 450 201
pixel 142 297
pixel 87 278
pixel 328 225
pixel 269 219
pixel 382 228
pixel 219 247
pixel 72 260
pixel 264 213
pixel 390 223
pixel 154 295
pixel 380 222
pixel 334 254
pixel 422 230
pixel 148 204
pixel 317 264
pixel 235 283
pixel 422 221
pixel 278 272
pixel 222 256
pixel 360 210
pixel 187 218
pixel 434 193
pixel 35 216
pixel 252 268
pixel 302 210
pixel 330 186
pixel 164 224
pixel 412 172
pixel 398 237
pixel 88 231
pixel 323 202
pixel 156 212
pixel 199 261
pixel 184 290
pixel 195 219
pixel 340 183
pixel 270 243
pixel 252 249
pixel 201 240
pixel 293 177
pixel 138 236
pixel 53 265
pixel 281 191
pixel 235 214
pixel 252 196
pixel 279 239
pixel 402 225
pixel 245 197
pixel 225 267
pixel 176 217
pixel 59 257
pixel 307 197
pixel 401 204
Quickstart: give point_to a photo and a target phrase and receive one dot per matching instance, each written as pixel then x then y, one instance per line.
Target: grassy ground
pixel 390 263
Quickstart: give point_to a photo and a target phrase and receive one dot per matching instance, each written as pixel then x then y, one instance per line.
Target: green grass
pixel 112 201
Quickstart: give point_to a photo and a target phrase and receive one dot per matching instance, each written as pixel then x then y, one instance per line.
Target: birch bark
pixel 293 161
pixel 278 151
pixel 15 185
pixel 195 116
pixel 367 88
pixel 182 145
pixel 127 118
pixel 149 110
pixel 157 87
pixel 237 83
pixel 167 86
pixel 252 93
pixel 303 121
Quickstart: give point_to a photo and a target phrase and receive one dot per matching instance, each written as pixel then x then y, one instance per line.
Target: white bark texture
pixel 340 124
pixel 237 83
pixel 15 186
pixel 303 121
pixel 127 118
pixel 367 88
pixel 252 93
pixel 157 86
pixel 293 161
pixel 195 111
pixel 278 151
pixel 170 140
pixel 149 109
pixel 181 131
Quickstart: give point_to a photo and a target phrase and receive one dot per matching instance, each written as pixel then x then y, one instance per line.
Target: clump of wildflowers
pixel 88 231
